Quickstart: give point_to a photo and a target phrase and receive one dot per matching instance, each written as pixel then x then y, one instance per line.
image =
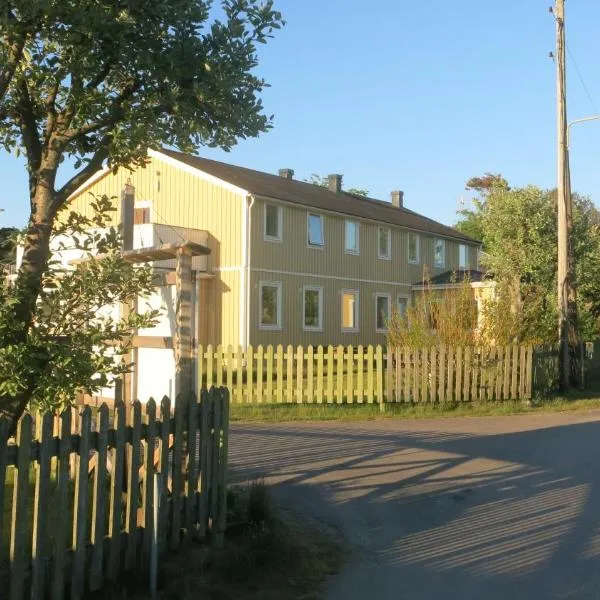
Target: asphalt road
pixel 492 507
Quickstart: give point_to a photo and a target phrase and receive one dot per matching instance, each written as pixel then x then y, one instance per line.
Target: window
pixel 401 305
pixel 270 305
pixel 414 248
pixel 384 248
pixel 350 310
pixel 141 212
pixel 313 308
pixel 382 314
pixel 352 232
pixel 273 222
pixel 439 253
pixel 315 230
pixel 463 256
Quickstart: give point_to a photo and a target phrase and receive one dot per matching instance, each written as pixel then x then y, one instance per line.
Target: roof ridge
pixel 321 195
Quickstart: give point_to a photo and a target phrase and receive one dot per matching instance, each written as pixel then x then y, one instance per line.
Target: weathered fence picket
pixel 73 529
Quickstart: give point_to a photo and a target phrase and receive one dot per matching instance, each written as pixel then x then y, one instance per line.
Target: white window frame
pixel 466 261
pixel 389 300
pixel 387 256
pixel 312 288
pixel 442 264
pixel 354 251
pixel 417 260
pixel 272 238
pixel 308 243
pixel 402 297
pixel 356 327
pixel 275 284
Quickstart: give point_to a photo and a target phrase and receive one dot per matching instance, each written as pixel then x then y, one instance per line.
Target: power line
pixel 585 87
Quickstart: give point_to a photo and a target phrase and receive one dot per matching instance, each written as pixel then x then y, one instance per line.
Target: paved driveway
pixel 495 508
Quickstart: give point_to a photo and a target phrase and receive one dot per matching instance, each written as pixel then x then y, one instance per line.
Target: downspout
pixel 248 252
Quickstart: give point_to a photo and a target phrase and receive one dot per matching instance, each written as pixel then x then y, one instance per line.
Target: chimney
pixel 397 198
pixel 127 214
pixel 334 182
pixel 286 173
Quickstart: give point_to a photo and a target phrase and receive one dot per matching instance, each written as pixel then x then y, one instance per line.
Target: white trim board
pixel 197 172
pixel 336 277
pixel 89 182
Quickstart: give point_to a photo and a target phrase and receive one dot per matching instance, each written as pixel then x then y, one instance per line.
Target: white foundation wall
pixel 155 374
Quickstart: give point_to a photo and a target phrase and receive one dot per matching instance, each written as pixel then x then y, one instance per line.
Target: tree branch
pixel 95 164
pixel 115 113
pixel 15 53
pixel 28 125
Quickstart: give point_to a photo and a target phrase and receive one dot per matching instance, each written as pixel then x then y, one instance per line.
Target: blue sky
pixel 414 95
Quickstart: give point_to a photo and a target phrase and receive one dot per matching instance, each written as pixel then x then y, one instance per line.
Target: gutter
pixel 245 284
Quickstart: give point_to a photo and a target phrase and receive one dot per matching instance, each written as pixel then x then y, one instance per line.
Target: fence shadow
pixel 445 507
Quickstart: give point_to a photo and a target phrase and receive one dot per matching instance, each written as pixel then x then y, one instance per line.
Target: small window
pixel 384 249
pixel 414 249
pixel 350 310
pixel 270 305
pixel 313 308
pixel 141 212
pixel 315 230
pixel 382 307
pixel 439 253
pixel 401 306
pixel 463 256
pixel 352 233
pixel 273 222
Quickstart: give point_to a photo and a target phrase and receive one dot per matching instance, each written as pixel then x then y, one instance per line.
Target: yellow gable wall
pixel 181 199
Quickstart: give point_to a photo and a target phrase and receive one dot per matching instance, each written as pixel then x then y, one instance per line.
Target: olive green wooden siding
pixel 294 255
pixel 292 263
pixel 292 330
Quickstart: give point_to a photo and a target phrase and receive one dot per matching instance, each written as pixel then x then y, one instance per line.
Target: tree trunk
pixel 28 286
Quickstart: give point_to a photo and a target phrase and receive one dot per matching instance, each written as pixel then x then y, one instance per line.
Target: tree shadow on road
pixel 443 508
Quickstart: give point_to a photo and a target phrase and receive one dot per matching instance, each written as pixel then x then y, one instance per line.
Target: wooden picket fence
pixel 347 374
pixel 92 500
pixel 275 375
pixel 446 374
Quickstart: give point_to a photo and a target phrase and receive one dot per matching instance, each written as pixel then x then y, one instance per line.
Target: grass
pixel 359 412
pixel 269 554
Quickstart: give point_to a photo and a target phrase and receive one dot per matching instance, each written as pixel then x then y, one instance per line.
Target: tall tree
pixel 518 229
pixel 470 219
pixel 95 82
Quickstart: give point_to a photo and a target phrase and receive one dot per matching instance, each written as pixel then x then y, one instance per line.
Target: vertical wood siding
pixel 181 199
pixel 294 255
pixel 293 264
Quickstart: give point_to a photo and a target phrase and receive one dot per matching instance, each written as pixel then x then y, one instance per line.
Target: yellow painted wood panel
pixel 180 199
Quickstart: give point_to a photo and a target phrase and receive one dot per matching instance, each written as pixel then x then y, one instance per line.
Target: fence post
pixel 156 481
pixel 3 463
pixel 99 502
pixel 389 370
pixel 222 512
pixel 379 377
pixel 116 488
pixel 60 498
pixel 80 507
pixel 18 534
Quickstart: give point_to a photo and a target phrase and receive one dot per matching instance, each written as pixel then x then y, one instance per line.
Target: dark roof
pixel 314 196
pixel 457 276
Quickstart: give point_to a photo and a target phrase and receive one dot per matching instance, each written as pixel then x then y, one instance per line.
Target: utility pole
pixel 563 199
